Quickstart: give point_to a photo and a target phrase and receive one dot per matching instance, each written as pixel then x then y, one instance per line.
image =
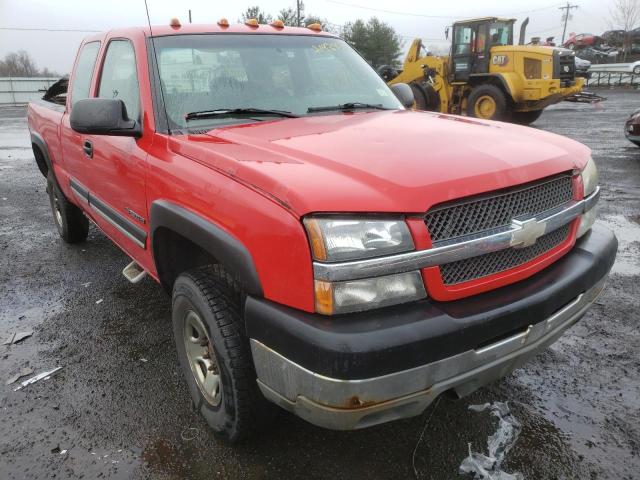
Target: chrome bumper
pixel 351 404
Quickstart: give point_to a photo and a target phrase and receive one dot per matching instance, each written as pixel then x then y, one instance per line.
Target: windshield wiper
pixel 238 111
pixel 348 106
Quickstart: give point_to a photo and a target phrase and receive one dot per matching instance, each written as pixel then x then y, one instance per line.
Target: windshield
pixel 291 73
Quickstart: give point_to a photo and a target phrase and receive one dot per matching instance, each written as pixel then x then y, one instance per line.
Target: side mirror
pixel 103 116
pixel 404 93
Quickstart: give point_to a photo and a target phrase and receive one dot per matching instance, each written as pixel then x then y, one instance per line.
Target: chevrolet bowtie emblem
pixel 526 232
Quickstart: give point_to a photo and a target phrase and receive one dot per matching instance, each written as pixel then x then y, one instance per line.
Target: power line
pixel 23 29
pixel 445 17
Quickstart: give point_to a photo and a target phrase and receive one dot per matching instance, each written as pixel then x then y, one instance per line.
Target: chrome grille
pixel 490 263
pixel 497 210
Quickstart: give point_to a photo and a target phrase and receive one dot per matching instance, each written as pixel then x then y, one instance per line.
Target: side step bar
pixel 134 272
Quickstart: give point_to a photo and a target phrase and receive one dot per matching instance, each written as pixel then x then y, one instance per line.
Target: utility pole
pixel 298 14
pixel 567 9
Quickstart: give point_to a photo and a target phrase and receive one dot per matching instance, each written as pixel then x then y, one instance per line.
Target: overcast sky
pixel 411 18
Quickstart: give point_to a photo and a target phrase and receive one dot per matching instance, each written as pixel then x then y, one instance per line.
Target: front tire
pixel 214 352
pixel 636 70
pixel 71 223
pixel 489 103
pixel 525 118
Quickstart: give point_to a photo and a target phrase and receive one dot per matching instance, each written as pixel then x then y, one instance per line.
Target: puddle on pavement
pixel 627 229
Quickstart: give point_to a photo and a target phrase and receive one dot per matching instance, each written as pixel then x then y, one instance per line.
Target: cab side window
pixel 84 71
pixel 119 77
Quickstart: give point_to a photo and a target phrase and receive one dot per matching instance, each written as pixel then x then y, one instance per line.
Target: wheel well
pixel 175 254
pixel 491 80
pixel 40 160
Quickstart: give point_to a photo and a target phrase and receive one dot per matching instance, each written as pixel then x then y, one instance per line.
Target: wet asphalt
pixel 119 409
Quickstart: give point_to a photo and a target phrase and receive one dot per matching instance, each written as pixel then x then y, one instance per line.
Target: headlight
pixel 589 177
pixel 590 182
pixel 357 295
pixel 336 239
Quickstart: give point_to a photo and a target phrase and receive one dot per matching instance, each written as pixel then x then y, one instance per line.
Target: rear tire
pixel 525 118
pixel 426 97
pixel 207 316
pixel 488 102
pixel 71 223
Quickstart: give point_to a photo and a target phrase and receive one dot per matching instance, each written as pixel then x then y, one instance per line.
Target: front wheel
pixel 636 70
pixel 525 118
pixel 488 102
pixel 214 352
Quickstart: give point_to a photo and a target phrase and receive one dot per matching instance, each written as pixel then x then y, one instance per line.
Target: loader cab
pixel 471 45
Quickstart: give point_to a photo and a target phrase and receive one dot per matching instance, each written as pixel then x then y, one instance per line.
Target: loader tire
pixel 489 103
pixel 525 118
pixel 426 97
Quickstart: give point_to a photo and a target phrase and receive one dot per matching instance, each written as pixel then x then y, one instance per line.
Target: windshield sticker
pixel 326 47
pixel 382 92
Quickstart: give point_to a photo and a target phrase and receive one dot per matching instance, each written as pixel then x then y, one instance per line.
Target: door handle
pixel 87 146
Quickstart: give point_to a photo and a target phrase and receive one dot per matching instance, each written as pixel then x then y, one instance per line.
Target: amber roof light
pixel 277 24
pixel 315 27
pixel 251 22
pixel 175 22
pixel 223 22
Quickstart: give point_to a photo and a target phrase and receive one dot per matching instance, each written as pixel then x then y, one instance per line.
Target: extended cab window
pixel 84 71
pixel 120 78
pixel 276 72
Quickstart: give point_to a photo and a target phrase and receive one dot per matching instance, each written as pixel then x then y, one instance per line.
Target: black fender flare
pixel 38 142
pixel 225 248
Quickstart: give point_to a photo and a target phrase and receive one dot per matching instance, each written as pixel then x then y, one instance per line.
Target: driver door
pixel 464 39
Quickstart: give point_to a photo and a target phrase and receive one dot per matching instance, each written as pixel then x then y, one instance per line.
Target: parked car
pixel 632 128
pixel 595 55
pixel 582 68
pixel 614 38
pixel 582 40
pixel 319 257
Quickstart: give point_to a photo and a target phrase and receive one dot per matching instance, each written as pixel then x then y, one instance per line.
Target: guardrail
pixel 22 90
pixel 613 79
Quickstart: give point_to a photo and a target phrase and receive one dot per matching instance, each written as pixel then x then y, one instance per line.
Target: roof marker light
pixel 223 22
pixel 315 27
pixel 175 22
pixel 277 24
pixel 251 22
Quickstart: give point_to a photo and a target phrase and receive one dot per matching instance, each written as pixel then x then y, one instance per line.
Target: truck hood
pixel 382 161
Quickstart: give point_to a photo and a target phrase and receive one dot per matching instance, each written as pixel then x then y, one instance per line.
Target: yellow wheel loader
pixel 489 77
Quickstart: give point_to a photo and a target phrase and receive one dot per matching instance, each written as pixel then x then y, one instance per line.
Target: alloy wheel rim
pixel 56 210
pixel 201 357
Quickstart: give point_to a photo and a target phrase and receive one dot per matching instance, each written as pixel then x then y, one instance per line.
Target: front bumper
pixel 359 370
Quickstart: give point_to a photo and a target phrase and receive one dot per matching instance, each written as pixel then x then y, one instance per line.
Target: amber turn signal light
pixel 315 239
pixel 324 297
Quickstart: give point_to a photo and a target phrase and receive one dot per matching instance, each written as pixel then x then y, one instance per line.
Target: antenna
pixel 155 57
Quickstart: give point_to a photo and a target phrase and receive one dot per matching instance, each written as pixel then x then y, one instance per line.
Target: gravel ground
pixel 118 408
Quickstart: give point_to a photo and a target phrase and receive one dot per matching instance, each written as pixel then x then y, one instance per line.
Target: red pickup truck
pixel 327 249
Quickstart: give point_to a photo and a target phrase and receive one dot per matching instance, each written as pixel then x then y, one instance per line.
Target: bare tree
pixel 18 64
pixel 625 15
